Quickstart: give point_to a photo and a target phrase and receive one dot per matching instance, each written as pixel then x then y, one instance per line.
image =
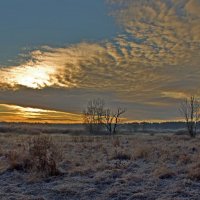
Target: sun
pixel 35 77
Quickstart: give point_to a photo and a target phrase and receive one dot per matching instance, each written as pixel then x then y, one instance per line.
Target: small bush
pixel 121 155
pixel 40 155
pixel 142 152
pixel 44 155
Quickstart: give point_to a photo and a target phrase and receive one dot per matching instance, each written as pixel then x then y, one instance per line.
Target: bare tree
pixel 97 117
pixel 112 119
pixel 93 115
pixel 190 109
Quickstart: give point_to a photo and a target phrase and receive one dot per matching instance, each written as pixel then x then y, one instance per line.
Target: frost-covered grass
pixel 122 167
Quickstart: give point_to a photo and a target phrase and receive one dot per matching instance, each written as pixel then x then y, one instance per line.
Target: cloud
pixel 174 95
pixel 14 113
pixel 153 60
pixel 167 31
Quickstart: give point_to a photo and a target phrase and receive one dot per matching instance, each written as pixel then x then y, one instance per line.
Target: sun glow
pixel 40 74
pixel 31 75
pixel 14 113
pixel 35 77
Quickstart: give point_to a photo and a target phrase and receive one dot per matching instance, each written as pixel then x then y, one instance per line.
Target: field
pixel 129 167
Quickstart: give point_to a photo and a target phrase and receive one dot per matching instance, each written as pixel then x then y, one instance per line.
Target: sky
pixel 55 56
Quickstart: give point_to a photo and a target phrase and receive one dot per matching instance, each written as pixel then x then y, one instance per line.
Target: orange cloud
pixel 14 113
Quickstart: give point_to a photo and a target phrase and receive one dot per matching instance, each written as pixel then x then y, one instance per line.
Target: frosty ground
pixel 138 166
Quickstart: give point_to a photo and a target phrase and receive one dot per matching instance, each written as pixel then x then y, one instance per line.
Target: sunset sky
pixel 55 55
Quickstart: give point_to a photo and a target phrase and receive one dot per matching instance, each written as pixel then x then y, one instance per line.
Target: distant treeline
pixel 142 126
pixel 37 128
pixel 134 125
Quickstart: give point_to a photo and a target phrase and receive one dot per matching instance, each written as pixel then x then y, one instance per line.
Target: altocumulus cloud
pixel 154 60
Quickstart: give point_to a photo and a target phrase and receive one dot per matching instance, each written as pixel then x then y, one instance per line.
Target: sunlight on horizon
pixel 15 113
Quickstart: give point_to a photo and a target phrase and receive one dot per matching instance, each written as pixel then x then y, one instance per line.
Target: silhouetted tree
pixel 190 108
pixel 112 119
pixel 93 115
pixel 97 117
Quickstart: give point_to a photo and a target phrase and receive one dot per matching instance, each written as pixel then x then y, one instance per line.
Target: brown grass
pixel 46 156
pixel 38 155
pixel 142 152
pixel 100 167
pixel 120 154
pixel 163 172
pixel 194 172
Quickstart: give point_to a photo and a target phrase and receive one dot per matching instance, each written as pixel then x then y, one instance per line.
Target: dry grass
pixel 164 172
pixel 120 154
pixel 194 172
pixel 142 152
pixel 90 152
pixel 39 155
pixel 113 165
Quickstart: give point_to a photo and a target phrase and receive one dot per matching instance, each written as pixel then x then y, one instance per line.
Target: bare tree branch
pixel 96 117
pixel 190 109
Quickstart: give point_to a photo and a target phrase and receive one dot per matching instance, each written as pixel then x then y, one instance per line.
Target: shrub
pixel 142 152
pixel 121 155
pixel 44 155
pixel 40 155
